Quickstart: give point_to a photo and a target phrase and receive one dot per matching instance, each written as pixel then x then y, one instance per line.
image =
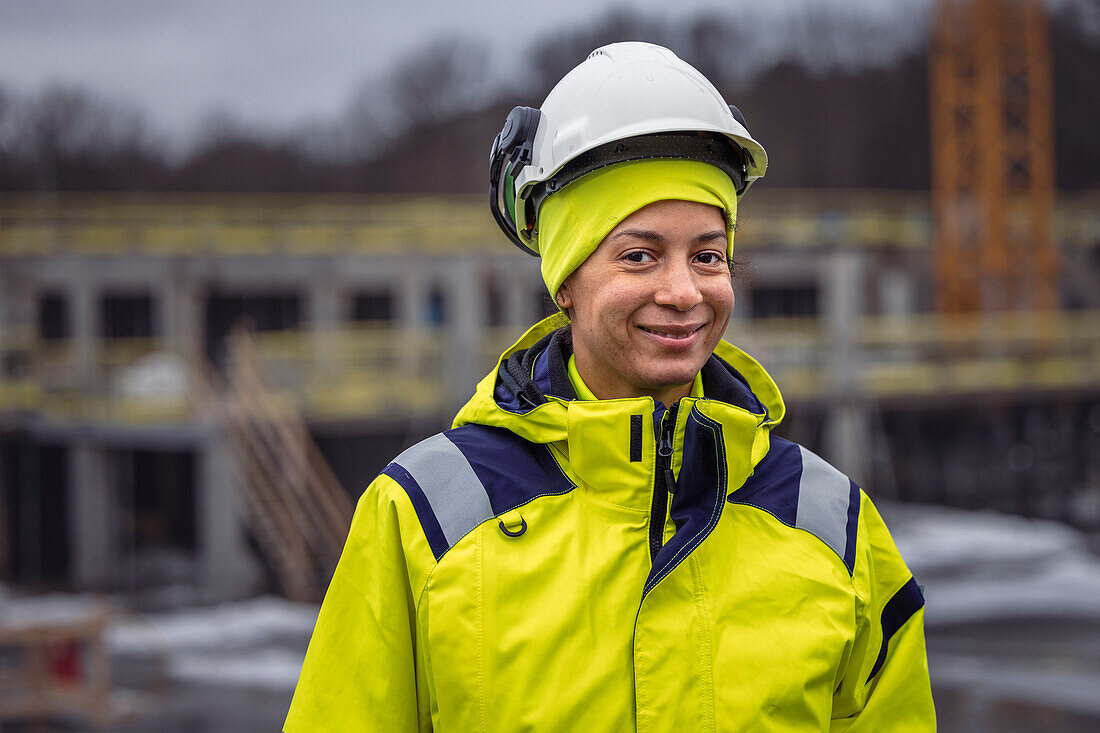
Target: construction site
pixel 260 357
pixel 196 387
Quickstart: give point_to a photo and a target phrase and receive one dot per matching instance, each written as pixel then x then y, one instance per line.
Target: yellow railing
pixel 366 373
pixel 929 354
pixel 241 225
pixel 124 381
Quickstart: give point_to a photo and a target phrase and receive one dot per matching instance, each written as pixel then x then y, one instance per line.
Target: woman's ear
pixel 563 298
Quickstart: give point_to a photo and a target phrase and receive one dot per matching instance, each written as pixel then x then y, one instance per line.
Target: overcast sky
pixel 280 62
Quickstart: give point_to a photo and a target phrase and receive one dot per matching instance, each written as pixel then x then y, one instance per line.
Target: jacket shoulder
pixel 802 490
pixel 459 478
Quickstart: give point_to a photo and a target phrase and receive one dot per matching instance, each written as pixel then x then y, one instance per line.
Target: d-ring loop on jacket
pixel 518 532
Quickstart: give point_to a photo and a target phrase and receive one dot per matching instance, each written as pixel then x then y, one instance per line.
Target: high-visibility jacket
pixel 554 564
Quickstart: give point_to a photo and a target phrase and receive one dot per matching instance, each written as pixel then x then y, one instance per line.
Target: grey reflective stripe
pixel 456 494
pixel 823 496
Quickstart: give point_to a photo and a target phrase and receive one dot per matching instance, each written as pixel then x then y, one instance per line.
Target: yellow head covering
pixel 573 221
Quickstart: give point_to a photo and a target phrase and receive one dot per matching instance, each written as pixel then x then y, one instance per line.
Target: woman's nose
pixel 679 288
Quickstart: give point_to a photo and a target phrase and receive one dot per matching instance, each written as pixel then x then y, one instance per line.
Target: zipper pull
pixel 662 483
pixel 664 449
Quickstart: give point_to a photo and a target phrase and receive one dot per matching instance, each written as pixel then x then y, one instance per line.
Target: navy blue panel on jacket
pixel 899 609
pixel 801 490
pixel 432 531
pixel 513 470
pixel 458 479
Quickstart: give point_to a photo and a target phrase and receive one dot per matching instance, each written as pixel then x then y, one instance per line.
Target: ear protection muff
pixel 511 151
pixel 739 117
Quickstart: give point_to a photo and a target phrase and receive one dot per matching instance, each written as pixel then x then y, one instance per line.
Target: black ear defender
pixel 741 118
pixel 512 150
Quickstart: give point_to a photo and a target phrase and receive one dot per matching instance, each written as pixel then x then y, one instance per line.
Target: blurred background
pixel 246 258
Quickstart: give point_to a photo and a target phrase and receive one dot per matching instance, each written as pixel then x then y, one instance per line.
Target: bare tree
pixel 725 50
pixel 439 82
pixel 553 56
pixel 7 116
pixel 370 121
pixel 8 111
pixel 14 168
pixel 72 137
pixel 824 38
pixel 837 99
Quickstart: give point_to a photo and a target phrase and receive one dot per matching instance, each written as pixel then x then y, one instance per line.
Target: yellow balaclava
pixel 573 221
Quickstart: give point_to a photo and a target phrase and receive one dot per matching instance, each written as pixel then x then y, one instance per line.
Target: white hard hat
pixel 626 101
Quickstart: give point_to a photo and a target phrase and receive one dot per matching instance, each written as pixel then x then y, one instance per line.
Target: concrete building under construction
pixel 148 442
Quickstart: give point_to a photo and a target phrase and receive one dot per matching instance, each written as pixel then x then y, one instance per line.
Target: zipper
pixel 663 483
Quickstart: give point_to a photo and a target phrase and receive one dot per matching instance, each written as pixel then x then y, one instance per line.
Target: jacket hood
pixel 529 392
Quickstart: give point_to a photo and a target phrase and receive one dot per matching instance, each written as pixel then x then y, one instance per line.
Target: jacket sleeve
pixel 361 671
pixel 885 683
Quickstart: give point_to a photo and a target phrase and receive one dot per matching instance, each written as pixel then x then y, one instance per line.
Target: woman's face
pixel 651 303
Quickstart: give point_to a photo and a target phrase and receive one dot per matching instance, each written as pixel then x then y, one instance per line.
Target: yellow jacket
pixel 506 575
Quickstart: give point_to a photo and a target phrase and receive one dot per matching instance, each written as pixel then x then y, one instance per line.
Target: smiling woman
pixel 611 538
pixel 650 304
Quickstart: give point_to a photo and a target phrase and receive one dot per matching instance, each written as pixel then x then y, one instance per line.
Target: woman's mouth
pixel 675 336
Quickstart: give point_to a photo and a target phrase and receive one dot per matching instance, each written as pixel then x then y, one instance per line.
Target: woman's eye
pixel 709 258
pixel 638 257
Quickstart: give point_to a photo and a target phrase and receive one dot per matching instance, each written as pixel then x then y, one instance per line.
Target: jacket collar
pixel 717 440
pixel 529 390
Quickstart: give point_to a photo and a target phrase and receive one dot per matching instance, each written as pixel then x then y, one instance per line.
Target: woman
pixel 610 538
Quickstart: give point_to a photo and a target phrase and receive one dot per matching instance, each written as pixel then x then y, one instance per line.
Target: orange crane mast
pixel 992 156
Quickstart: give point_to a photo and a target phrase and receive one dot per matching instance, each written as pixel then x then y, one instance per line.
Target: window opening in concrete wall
pixel 155 496
pixel 1037 459
pixel 436 311
pixel 785 302
pixel 374 306
pixel 35 530
pixel 494 302
pixel 259 311
pixel 359 454
pixel 127 315
pixel 53 317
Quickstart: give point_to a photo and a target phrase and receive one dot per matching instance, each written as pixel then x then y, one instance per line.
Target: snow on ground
pixel 981 566
pixel 53 609
pixel 256 644
pixel 257 669
pixel 226 626
pixel 975 567
pixel 1021 680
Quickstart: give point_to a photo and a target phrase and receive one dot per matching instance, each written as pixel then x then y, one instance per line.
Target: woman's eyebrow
pixel 652 236
pixel 647 234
